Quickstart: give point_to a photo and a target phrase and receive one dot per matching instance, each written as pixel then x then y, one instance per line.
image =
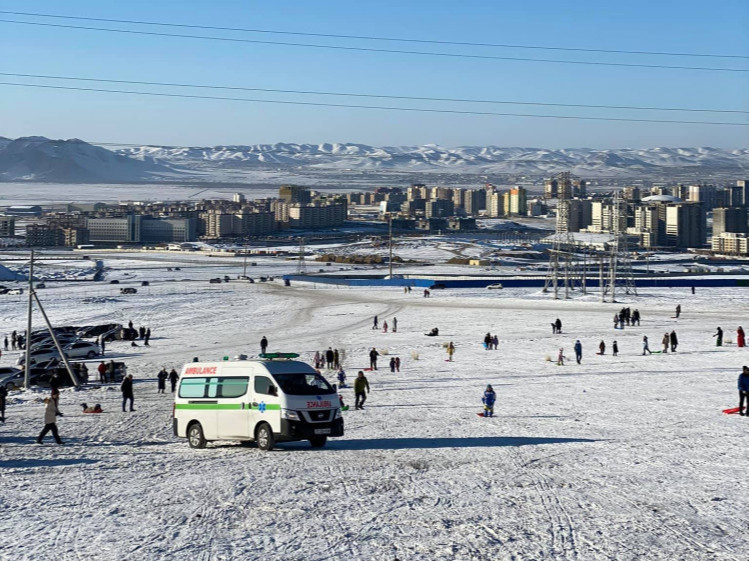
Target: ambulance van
pixel 264 401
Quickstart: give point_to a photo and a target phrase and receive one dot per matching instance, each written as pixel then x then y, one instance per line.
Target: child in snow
pixel 385 327
pixel 560 357
pixel 450 351
pixel 601 348
pixel 665 342
pixel 645 347
pixel 488 400
pixel 392 364
pixel 341 378
pixel 615 348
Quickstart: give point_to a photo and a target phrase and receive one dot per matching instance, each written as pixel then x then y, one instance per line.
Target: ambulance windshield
pixel 303 384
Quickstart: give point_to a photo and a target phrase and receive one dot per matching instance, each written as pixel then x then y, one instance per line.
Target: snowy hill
pixel 467 159
pixel 71 161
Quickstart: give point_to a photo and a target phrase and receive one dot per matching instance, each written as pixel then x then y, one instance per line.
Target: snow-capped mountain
pixel 75 161
pixel 466 159
pixel 71 161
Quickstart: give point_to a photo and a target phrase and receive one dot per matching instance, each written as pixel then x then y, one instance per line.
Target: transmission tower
pixel 565 269
pixel 301 266
pixel 619 260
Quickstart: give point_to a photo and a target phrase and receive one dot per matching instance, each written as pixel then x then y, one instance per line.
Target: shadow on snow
pixel 425 443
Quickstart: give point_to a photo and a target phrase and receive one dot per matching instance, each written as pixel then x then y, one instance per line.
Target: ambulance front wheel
pixel 264 437
pixel 195 437
pixel 318 441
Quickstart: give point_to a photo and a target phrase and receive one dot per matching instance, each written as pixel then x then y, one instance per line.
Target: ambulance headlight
pixel 289 415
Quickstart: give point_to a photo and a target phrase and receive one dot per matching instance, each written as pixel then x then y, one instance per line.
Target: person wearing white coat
pixel 50 421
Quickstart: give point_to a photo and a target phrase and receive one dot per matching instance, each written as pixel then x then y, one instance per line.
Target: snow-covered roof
pixel 661 199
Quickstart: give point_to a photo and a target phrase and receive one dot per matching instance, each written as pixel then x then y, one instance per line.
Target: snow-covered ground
pixel 619 458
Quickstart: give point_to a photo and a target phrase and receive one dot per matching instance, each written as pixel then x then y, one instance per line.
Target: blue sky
pixel 663 25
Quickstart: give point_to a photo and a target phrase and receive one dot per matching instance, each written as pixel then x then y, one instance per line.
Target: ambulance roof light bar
pixel 278 356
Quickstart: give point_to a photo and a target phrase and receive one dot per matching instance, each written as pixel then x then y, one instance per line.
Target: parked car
pixel 128 290
pixel 145 283
pixel 438 286
pixel 96 330
pixel 115 281
pixel 8 378
pixel 37 356
pixel 217 280
pixel 41 285
pixel 15 291
pixel 81 349
pixel 496 285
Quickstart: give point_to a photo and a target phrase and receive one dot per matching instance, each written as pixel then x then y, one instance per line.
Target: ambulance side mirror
pixel 272 390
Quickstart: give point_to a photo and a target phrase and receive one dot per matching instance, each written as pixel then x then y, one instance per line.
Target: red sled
pixel 368 369
pixel 482 415
pixel 733 410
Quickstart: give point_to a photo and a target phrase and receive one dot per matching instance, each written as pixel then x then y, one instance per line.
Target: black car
pixel 438 286
pixel 115 281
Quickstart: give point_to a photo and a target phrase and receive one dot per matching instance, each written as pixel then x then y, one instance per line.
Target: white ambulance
pixel 265 401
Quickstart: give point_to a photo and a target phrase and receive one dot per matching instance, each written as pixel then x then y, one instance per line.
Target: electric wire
pixel 377 50
pixel 377 107
pixel 376 38
pixel 371 96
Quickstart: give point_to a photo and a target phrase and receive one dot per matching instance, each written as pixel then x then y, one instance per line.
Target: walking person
pixel 374 323
pixel 450 351
pixel 162 376
pixel 148 337
pixel 615 349
pixel 560 357
pixel 616 321
pixel 173 377
pixel 361 388
pixel 674 341
pixel 395 324
pixel 740 337
pixel 6 342
pixel 645 346
pixel 397 364
pixel 392 364
pixel 373 354
pixel 678 310
pixel 50 421
pixel 578 351
pixel 263 345
pixel 719 335
pixel 744 391
pixel 665 342
pixel 127 392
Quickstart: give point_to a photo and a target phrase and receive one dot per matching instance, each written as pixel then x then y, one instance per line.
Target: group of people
pixel 111 372
pixel 385 326
pixel 491 342
pixel 17 342
pixel 330 359
pixel 163 376
pixel 626 317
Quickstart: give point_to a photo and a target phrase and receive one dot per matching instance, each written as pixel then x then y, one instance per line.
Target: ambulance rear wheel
pixel 195 437
pixel 264 437
pixel 318 441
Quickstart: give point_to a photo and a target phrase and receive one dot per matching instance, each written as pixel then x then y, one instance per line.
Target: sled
pixel 368 369
pixel 482 415
pixel 344 408
pixel 732 411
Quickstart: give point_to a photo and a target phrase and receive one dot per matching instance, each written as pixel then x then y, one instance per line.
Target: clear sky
pixel 720 27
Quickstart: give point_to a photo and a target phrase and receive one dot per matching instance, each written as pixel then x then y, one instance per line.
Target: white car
pixel 81 349
pixel 493 286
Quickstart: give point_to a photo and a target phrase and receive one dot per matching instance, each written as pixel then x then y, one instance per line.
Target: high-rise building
pixel 705 194
pixel 294 194
pixel 518 201
pixel 7 226
pixel 685 225
pixel 731 219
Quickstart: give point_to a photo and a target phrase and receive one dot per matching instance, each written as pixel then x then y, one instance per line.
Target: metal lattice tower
pixel 565 269
pixel 619 261
pixel 301 266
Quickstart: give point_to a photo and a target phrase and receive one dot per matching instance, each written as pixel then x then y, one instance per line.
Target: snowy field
pixel 619 458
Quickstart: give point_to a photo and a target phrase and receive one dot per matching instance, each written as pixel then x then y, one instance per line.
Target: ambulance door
pixel 266 403
pixel 233 395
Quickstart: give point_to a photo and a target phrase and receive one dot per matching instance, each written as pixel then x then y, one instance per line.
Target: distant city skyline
pixel 674 27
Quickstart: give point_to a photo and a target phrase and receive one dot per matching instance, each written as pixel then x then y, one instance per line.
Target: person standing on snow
pixel 636 317
pixel 162 376
pixel 341 378
pixel 719 335
pixel 329 357
pixel 361 387
pixel 173 377
pixel 487 341
pixel 336 359
pixel 674 341
pixel 495 342
pixel 740 337
pixel 385 326
pixel 50 421
pixel 744 391
pixel 263 344
pixel 578 351
pixel 560 357
pixel 395 324
pixel 127 391
pixel 678 310
pixel 665 342
pixel 375 323
pixel 392 364
pixel 450 351
pixel 373 354
pixel 3 396
pixel 102 372
pixel 488 400
pixel 602 348
pixel 615 349
pixel 558 325
pixel 397 364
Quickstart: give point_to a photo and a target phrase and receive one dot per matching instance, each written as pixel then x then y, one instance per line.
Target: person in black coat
pixel 373 354
pixel 263 344
pixel 173 377
pixel 3 395
pixel 127 391
pixel 330 357
pixel 162 376
pixel 674 341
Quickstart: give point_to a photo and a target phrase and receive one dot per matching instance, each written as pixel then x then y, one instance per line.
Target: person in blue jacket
pixel 744 391
pixel 488 400
pixel 578 351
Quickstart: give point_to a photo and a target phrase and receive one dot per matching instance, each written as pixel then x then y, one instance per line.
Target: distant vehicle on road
pixel 145 283
pixel 15 291
pixel 496 285
pixel 217 280
pixel 115 281
pixel 128 290
pixel 438 286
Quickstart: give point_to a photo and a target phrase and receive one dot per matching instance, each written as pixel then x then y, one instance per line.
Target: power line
pixel 375 50
pixel 385 108
pixel 376 38
pixel 373 96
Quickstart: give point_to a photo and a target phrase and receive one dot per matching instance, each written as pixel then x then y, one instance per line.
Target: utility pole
pixel 27 364
pixel 390 235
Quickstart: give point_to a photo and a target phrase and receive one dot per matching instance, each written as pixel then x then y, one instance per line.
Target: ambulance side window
pixel 212 387
pixel 264 386
pixel 233 387
pixel 192 387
